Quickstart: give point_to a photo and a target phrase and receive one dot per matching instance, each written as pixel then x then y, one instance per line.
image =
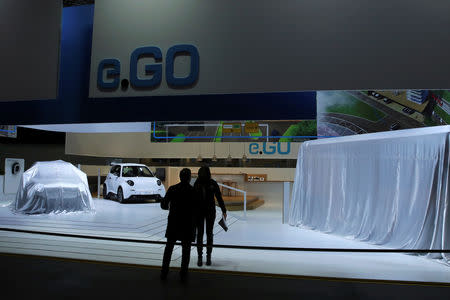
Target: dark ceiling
pixel 77 2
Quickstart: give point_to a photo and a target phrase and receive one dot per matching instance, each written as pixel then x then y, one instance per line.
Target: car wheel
pixel 105 192
pixel 120 195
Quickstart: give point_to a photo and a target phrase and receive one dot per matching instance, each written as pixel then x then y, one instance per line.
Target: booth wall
pixel 73 105
pixel 271 191
pixel 253 46
pixel 137 144
pixel 273 174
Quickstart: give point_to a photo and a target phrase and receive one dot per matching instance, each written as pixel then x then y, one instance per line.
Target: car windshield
pixel 136 171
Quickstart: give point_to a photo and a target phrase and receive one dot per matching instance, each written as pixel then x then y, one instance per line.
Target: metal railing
pixel 241 191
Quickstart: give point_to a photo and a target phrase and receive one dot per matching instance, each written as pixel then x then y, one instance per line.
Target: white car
pixel 132 182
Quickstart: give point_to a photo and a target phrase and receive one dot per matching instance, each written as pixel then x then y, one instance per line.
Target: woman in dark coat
pixel 205 189
pixel 181 202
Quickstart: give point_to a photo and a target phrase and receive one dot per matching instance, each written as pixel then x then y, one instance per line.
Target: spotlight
pixel 229 158
pixel 214 158
pixel 199 157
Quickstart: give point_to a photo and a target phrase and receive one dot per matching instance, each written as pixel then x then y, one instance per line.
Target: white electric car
pixel 132 182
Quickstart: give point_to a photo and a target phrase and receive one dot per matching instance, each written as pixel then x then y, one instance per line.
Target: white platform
pixel 262 228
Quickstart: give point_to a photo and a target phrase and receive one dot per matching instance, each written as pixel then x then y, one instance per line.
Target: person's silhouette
pixel 205 189
pixel 181 201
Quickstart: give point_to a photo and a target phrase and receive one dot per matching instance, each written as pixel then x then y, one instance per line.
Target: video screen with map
pixel 339 113
pixel 235 131
pixel 342 113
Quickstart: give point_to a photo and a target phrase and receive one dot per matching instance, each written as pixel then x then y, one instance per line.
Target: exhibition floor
pixel 262 227
pixel 53 278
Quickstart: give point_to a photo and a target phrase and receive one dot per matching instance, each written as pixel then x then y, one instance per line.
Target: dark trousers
pixel 209 219
pixel 185 257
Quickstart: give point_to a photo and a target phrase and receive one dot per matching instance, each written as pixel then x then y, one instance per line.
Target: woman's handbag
pixel 223 223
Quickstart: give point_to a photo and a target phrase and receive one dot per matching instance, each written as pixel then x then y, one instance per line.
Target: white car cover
pixel 53 187
pixel 386 188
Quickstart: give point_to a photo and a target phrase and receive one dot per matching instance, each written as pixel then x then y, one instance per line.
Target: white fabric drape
pixel 53 187
pixel 387 188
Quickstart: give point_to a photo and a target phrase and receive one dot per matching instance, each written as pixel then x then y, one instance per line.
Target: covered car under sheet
pixel 386 188
pixel 53 187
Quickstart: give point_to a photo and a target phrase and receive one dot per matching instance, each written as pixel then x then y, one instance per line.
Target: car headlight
pixel 130 182
pixel 158 182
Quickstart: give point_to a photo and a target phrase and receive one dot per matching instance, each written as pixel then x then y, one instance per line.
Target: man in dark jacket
pixel 181 202
pixel 206 188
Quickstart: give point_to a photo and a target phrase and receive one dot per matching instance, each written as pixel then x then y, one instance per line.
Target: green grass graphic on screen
pixel 179 138
pixel 442 114
pixel 303 128
pixel 349 105
pixel 219 133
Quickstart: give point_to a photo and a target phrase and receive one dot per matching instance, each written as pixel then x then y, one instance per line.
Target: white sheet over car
pixel 387 188
pixel 53 187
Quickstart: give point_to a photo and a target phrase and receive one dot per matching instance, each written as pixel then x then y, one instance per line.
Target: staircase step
pixel 238 200
pixel 254 204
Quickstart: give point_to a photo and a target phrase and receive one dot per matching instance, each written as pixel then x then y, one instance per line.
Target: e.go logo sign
pixel 269 148
pixel 113 69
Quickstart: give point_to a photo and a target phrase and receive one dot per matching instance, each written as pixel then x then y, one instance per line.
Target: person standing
pixel 180 200
pixel 206 188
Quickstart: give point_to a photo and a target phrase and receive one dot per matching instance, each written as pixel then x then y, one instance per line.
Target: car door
pixel 117 177
pixel 113 178
pixel 108 180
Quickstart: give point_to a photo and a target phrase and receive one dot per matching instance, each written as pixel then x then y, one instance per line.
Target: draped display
pixel 387 188
pixel 53 187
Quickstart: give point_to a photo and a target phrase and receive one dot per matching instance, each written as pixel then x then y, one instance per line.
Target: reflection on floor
pixel 262 227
